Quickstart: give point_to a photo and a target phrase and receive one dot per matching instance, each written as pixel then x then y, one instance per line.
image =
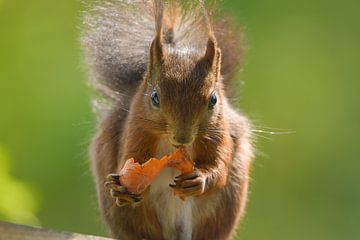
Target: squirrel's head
pixel 183 95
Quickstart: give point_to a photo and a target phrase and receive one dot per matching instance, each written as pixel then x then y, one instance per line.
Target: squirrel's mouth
pixel 179 145
pixel 181 142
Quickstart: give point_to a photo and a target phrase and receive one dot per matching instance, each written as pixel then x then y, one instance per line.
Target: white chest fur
pixel 175 215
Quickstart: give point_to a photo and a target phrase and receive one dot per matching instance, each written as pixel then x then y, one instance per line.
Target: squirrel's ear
pixel 156 51
pixel 210 50
pixel 213 55
pixel 156 55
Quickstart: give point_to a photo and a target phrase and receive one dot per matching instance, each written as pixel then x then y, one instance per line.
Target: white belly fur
pixel 174 214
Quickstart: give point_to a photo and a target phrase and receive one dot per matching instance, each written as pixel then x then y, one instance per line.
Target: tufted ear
pixel 213 55
pixel 210 49
pixel 156 54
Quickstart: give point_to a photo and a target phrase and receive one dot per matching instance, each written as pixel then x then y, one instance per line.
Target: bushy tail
pixel 117 35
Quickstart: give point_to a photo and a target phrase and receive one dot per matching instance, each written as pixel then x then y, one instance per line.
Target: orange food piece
pixel 137 177
pixel 181 161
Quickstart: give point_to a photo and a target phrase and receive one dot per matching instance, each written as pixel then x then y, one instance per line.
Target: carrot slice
pixel 181 161
pixel 137 177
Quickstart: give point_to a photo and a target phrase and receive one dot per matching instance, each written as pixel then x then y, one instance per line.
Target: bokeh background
pixel 302 73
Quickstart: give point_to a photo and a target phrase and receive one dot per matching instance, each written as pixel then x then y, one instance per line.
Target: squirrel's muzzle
pixel 182 138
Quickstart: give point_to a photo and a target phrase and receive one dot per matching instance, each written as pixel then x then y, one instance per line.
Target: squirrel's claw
pixel 113 177
pixel 120 193
pixel 115 186
pixel 192 175
pixel 125 195
pixel 188 185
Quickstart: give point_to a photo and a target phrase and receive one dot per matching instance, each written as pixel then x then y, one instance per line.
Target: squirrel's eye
pixel 155 102
pixel 213 101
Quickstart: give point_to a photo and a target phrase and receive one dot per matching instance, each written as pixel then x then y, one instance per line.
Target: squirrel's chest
pixel 174 214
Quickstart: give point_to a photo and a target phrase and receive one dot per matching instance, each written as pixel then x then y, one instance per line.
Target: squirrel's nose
pixel 182 140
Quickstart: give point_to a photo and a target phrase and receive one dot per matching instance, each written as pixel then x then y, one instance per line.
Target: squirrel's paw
pixel 188 185
pixel 120 193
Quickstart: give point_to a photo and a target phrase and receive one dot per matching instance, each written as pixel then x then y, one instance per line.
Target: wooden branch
pixel 9 231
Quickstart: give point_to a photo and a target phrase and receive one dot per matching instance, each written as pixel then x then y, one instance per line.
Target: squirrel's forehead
pixel 182 69
pixel 184 79
pixel 184 86
pixel 177 64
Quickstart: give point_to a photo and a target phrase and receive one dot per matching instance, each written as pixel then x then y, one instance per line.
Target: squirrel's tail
pixel 117 35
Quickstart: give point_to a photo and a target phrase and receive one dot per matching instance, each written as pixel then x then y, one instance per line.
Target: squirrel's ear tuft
pixel 156 54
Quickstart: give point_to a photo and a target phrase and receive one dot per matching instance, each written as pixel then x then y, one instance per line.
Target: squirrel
pixel 163 71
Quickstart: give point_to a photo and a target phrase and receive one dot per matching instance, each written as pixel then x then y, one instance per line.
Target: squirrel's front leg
pixel 201 181
pixel 138 148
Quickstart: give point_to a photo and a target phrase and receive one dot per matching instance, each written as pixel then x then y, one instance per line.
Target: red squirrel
pixel 163 71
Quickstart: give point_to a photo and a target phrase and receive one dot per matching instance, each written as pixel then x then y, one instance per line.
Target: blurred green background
pixel 302 73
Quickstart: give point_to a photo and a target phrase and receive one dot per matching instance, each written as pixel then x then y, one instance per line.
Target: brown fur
pixel 219 137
